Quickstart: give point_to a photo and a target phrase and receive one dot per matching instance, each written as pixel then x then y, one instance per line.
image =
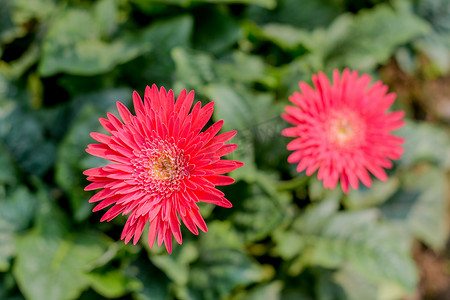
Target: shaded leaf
pixel 7 169
pixel 260 213
pixel 222 265
pixel 154 283
pixel 270 291
pixel 112 284
pixel 84 53
pixel 226 30
pixel 52 267
pixel 343 239
pixel 420 205
pixel 424 142
pixel 308 14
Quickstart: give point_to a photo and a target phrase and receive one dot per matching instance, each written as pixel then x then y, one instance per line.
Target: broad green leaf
pixel 326 287
pixel 7 169
pixel 257 123
pixel 264 3
pixel 154 283
pixel 287 36
pixel 157 65
pixel 270 291
pixel 378 193
pixel 300 69
pixel 368 38
pixel 16 212
pixel 112 284
pixel 226 30
pixel 356 287
pixel 222 265
pixel 106 16
pixel 246 69
pixel 260 213
pixel 176 265
pixel 194 69
pixel 84 53
pixel 424 142
pixel 235 106
pixel 8 30
pixel 55 267
pixel 71 151
pixel 307 14
pixel 25 11
pixel 71 159
pixel 420 205
pixel 24 136
pixel 17 208
pixel 377 250
pixel 435 45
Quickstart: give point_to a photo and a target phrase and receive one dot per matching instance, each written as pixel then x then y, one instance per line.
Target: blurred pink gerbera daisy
pixel 162 165
pixel 343 129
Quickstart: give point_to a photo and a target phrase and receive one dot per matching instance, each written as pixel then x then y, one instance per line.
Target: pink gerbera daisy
pixel 344 129
pixel 162 165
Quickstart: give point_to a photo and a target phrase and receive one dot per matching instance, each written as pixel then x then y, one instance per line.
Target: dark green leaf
pixel 113 284
pixel 425 142
pixel 342 239
pixel 420 205
pixel 368 38
pixel 53 267
pixel 222 265
pixel 226 30
pixel 84 52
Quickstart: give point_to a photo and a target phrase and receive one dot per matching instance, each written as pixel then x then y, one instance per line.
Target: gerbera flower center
pixel 344 129
pixel 160 167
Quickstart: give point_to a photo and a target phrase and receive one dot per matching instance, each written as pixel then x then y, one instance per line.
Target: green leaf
pixel 154 283
pixel 157 64
pixel 24 136
pixel 424 142
pixel 378 193
pixel 8 30
pixel 55 267
pixel 7 169
pixel 270 291
pixel 286 36
pixel 25 11
pixel 17 209
pixel 420 205
pixel 194 69
pixel 222 265
pixel 72 159
pixel 356 286
pixel 264 3
pixel 308 14
pixel 265 209
pixel 106 16
pixel 68 172
pixel 368 38
pixel 246 69
pixel 176 265
pixel 226 30
pixel 84 53
pixel 435 45
pixel 378 251
pixel 112 284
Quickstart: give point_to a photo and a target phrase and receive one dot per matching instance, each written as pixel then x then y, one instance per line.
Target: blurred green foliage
pixel 65 63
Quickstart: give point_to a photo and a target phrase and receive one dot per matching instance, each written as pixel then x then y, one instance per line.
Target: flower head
pixel 343 130
pixel 162 164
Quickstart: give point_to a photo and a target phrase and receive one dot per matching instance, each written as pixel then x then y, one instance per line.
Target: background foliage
pixel 65 63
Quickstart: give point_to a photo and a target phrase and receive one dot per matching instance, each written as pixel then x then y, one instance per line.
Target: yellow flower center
pixel 160 166
pixel 345 129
